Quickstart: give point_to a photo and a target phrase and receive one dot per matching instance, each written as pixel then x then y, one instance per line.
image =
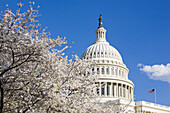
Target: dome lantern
pixel 100 32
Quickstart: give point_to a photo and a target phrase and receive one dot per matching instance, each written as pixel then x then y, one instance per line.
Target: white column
pixel 132 92
pixel 110 69
pixel 126 91
pixel 105 88
pixel 102 34
pixel 111 89
pixel 100 89
pixel 122 89
pixel 117 89
pixel 100 68
pixel 129 93
pixel 105 68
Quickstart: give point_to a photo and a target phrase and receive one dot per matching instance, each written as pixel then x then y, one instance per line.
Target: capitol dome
pixel 112 73
pixel 102 50
pixel 114 87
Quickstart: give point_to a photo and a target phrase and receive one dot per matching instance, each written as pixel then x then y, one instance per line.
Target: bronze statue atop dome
pixel 100 21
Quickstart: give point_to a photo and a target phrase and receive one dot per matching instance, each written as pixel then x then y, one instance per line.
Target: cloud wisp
pixel 157 72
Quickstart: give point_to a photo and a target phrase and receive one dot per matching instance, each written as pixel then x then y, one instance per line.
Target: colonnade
pixel 101 34
pixel 112 89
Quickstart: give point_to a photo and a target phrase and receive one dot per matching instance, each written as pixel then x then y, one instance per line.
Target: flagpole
pixel 155 95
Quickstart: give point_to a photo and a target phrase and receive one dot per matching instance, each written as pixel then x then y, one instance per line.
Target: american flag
pixel 152 91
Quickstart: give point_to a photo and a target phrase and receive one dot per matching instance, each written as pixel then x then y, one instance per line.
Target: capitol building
pixel 115 88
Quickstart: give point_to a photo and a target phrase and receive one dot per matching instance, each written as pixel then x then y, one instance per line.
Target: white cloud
pixel 157 72
pixel 139 65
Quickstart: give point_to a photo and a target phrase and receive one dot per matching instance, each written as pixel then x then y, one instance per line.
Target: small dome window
pixel 112 70
pixel 101 52
pixel 107 70
pixel 120 73
pixel 116 72
pixel 103 70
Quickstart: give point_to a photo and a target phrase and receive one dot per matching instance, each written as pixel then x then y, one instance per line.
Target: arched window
pixel 112 70
pixel 103 70
pixel 119 72
pixel 123 73
pixel 107 70
pixel 116 72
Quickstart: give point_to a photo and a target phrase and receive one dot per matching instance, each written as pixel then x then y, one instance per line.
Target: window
pixel 120 91
pixel 116 71
pixel 112 70
pixel 97 90
pixel 103 70
pixel 119 73
pixel 107 70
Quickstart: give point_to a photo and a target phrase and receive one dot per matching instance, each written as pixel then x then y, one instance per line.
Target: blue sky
pixel 138 29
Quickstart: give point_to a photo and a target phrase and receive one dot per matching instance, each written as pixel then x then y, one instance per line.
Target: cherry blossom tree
pixel 35 75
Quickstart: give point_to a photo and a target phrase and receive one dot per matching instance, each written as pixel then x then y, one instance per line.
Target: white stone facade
pixel 114 84
pixel 147 107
